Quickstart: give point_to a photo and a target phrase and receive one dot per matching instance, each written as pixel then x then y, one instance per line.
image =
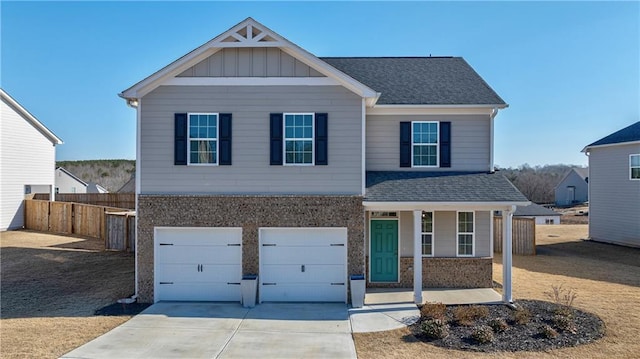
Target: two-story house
pixel 256 157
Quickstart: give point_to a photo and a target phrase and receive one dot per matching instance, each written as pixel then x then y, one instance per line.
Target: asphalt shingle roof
pixel 385 186
pixel 419 80
pixel 534 210
pixel 627 134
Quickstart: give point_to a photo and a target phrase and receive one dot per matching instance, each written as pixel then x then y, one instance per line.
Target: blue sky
pixel 570 71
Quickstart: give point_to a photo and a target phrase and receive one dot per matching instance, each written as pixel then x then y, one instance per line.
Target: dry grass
pixel 51 285
pixel 606 278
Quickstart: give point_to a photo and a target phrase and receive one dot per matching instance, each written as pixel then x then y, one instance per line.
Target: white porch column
pixel 417 256
pixel 507 217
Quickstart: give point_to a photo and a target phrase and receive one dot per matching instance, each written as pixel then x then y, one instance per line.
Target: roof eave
pixel 416 205
pixel 589 147
pixel 55 140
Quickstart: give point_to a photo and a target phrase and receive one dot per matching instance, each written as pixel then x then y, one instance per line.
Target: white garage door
pixel 303 264
pixel 198 264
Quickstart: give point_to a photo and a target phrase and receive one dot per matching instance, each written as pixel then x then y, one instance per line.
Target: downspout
pixel 494 113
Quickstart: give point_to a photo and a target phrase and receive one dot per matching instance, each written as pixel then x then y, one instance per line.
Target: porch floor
pixel 448 296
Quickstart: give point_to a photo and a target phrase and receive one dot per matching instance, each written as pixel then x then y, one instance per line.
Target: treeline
pixel 537 183
pixel 110 174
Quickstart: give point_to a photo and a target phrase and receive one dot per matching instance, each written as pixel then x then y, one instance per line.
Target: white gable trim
pixel 55 140
pixel 251 81
pixel 248 33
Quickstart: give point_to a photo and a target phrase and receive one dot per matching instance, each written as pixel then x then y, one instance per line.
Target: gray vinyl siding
pixel 250 172
pixel 470 142
pixel 562 191
pixel 445 234
pixel 27 158
pixel 250 62
pixel 614 199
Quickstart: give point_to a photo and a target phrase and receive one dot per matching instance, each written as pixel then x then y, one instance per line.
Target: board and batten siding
pixel 470 142
pixel 27 158
pixel 614 199
pixel 250 172
pixel 250 62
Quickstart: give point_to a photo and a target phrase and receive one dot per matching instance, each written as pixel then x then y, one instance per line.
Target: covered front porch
pixel 447 296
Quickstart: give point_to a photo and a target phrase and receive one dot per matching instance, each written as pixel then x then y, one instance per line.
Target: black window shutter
pixel 322 137
pixel 224 144
pixel 405 144
pixel 445 144
pixel 276 139
pixel 180 139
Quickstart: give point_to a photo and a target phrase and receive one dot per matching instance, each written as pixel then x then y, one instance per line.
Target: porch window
pixel 634 167
pixel 427 234
pixel 203 138
pixel 424 144
pixel 465 234
pixel 298 138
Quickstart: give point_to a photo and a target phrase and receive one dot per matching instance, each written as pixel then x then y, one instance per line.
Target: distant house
pixel 541 214
pixel 93 187
pixel 573 188
pixel 67 182
pixel 129 187
pixel 614 187
pixel 27 160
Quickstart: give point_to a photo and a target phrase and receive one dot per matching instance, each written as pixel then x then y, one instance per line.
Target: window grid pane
pixel 634 165
pixel 465 233
pixel 425 143
pixel 427 244
pixel 427 233
pixel 425 155
pixel 203 135
pixel 298 130
pixel 203 151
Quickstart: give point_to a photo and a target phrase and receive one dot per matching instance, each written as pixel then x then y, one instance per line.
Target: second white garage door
pixel 303 264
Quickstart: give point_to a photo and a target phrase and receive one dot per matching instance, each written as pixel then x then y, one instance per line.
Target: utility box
pixel 249 289
pixel 357 284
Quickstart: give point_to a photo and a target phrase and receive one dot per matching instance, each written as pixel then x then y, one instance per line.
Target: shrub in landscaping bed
pixel 498 325
pixel 521 316
pixel 482 334
pixel 546 331
pixel 433 311
pixel 467 315
pixel 434 329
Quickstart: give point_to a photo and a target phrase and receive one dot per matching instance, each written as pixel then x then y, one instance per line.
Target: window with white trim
pixel 424 143
pixel 427 234
pixel 203 138
pixel 298 138
pixel 634 167
pixel 465 233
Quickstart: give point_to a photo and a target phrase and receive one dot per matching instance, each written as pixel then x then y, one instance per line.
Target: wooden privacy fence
pixel 115 227
pixel 523 236
pixel 115 200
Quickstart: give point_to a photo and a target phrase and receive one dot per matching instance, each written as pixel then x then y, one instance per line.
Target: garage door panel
pixel 326 274
pixel 200 292
pixel 200 254
pixel 209 274
pixel 304 254
pixel 303 293
pixel 198 236
pixel 306 236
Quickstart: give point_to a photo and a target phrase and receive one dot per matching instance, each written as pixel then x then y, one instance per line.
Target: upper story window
pixel 427 233
pixel 424 144
pixel 465 234
pixel 298 138
pixel 203 138
pixel 634 167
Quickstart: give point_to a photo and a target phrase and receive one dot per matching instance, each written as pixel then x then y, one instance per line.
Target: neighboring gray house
pixel 67 182
pixel 541 214
pixel 573 188
pixel 27 160
pixel 614 187
pixel 129 186
pixel 256 157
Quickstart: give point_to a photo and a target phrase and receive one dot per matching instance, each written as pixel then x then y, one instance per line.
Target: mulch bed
pixel 519 337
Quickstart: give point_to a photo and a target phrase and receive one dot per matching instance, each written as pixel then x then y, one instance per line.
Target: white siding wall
pixel 27 158
pixel 614 199
pixel 581 190
pixel 68 184
pixel 470 142
pixel 250 172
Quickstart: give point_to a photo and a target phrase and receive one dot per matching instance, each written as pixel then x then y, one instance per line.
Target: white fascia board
pixel 431 109
pixel 587 148
pixel 31 118
pixel 441 206
pixel 251 81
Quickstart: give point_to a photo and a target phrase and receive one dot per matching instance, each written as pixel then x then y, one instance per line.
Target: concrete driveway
pixel 227 330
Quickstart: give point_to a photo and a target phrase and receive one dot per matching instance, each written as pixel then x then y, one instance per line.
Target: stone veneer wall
pixel 250 213
pixel 445 273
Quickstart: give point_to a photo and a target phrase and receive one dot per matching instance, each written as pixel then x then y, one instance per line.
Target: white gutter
pixel 587 148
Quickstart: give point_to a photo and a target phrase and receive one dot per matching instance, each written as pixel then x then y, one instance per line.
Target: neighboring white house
pixel 27 160
pixel 67 182
pixel 541 214
pixel 614 187
pixel 93 187
pixel 573 188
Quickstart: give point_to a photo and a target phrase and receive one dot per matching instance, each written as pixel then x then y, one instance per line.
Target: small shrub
pixel 433 311
pixel 547 332
pixel 467 315
pixel 521 316
pixel 482 334
pixel 435 329
pixel 563 298
pixel 564 323
pixel 498 325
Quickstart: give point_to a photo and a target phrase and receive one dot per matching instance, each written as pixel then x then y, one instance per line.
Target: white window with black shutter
pixel 299 139
pixel 425 144
pixel 202 139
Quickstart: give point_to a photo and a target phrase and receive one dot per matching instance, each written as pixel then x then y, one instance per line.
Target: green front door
pixel 384 251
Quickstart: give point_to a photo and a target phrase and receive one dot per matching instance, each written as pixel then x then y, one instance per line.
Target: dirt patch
pixel 51 287
pixel 605 286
